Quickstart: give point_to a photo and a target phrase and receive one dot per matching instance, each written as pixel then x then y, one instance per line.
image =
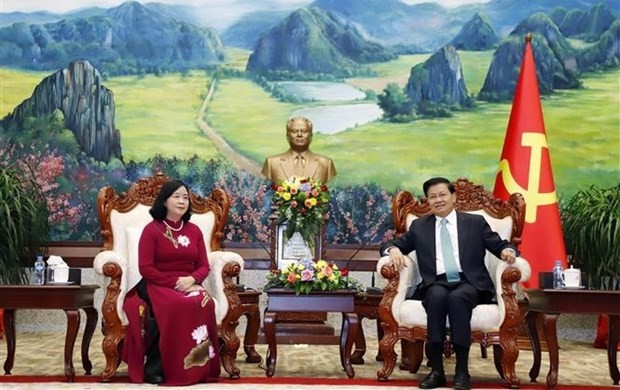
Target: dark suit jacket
pixel 475 235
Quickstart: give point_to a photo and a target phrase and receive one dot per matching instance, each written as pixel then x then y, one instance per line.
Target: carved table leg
pixel 612 347
pixel 530 319
pixel 73 324
pixel 9 329
pixel 91 324
pixel 549 322
pixel 360 345
pixel 270 336
pixel 350 327
pixel 251 335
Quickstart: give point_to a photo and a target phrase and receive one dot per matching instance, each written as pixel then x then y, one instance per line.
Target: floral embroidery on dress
pixel 202 352
pixel 183 240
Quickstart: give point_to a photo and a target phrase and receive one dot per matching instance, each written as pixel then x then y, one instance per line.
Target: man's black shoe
pixel 462 382
pixel 433 380
pixel 154 379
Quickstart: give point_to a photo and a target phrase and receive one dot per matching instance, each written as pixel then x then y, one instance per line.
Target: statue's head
pixel 299 133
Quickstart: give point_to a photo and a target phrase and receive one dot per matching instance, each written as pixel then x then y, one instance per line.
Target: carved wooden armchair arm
pixel 505 277
pixel 220 284
pixel 112 265
pixel 398 286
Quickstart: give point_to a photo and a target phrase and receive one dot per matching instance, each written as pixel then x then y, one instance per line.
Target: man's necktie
pixel 452 271
pixel 300 161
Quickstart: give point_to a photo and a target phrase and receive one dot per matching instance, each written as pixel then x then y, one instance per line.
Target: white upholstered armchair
pixel 122 218
pixel 491 324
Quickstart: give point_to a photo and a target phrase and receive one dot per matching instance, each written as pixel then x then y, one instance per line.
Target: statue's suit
pixel 282 166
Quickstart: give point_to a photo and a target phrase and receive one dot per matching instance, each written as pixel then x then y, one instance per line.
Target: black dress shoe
pixel 462 382
pixel 154 379
pixel 433 380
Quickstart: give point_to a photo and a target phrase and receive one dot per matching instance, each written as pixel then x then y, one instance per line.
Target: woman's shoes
pixel 154 379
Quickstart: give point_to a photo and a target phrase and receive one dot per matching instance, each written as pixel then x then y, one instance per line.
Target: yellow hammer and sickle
pixel 533 198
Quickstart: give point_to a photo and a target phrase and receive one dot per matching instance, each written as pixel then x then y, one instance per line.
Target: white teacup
pixel 572 277
pixel 58 275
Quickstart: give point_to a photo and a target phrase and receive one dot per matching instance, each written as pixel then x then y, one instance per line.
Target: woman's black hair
pixel 158 211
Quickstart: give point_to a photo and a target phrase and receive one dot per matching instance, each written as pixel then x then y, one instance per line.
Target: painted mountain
pixel 438 80
pixel 556 60
pixel 68 96
pixel 246 32
pixel 587 25
pixel 314 41
pixel 476 34
pixel 127 39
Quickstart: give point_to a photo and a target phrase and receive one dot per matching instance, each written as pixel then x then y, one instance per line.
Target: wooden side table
pixel 343 301
pixel 550 303
pixel 69 298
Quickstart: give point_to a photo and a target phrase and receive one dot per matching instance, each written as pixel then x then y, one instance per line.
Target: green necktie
pixel 452 271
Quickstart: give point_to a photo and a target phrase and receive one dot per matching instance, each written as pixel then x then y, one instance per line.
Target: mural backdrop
pixel 398 92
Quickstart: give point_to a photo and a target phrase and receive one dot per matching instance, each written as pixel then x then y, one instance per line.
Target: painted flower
pixel 183 240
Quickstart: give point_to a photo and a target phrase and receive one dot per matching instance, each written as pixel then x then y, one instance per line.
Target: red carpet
pixel 290 381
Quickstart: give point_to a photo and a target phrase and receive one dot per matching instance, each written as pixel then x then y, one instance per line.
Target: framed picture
pixel 287 250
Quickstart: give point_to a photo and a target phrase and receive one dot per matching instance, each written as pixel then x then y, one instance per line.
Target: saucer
pixel 572 287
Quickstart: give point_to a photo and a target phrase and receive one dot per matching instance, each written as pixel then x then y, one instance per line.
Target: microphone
pixel 385 224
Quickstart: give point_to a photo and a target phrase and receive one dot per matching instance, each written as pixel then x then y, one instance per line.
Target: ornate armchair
pixel 122 218
pixel 491 324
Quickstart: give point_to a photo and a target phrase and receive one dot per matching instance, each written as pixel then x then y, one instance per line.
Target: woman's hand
pixel 184 283
pixel 196 287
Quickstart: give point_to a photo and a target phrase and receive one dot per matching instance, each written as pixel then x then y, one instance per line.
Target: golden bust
pixel 299 160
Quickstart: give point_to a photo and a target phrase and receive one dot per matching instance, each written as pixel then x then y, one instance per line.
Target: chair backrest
pixel 505 217
pixel 123 216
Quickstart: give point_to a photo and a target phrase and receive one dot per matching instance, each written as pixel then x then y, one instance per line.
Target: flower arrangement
pixel 307 275
pixel 302 203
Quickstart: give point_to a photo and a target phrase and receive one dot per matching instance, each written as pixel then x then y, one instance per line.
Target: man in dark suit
pixel 450 248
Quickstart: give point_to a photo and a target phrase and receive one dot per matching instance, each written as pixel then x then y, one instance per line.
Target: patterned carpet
pixel 42 354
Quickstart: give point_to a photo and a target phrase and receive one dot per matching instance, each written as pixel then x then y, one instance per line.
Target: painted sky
pixel 71 5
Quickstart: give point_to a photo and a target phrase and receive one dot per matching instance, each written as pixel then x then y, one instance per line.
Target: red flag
pixel 525 167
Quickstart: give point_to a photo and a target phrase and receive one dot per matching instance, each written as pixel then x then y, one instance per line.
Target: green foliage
pixel 592 233
pixel 47 130
pixel 395 102
pixel 24 226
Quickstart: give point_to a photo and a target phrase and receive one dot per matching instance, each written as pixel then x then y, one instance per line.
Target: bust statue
pixel 299 160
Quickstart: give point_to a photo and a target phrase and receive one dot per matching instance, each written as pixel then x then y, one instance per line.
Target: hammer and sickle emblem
pixel 533 198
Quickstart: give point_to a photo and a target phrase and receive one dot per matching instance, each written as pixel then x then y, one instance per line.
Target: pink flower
pixel 328 271
pixel 292 278
pixel 306 275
